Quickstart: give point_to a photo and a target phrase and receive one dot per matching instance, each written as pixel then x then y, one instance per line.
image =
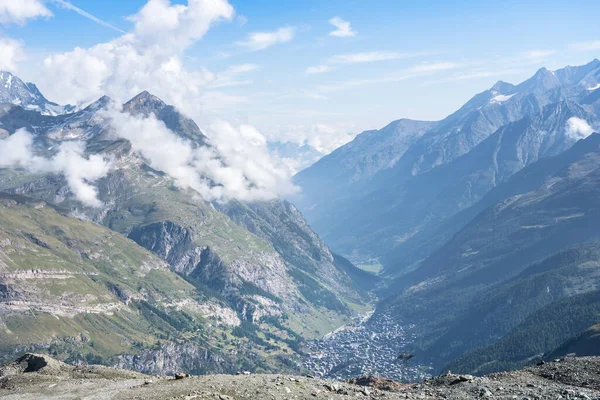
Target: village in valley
pixel 367 347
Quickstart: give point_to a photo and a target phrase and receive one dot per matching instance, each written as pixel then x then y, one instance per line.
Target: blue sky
pixel 420 59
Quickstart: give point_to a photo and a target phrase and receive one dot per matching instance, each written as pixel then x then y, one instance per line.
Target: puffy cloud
pixel 343 28
pixel 261 40
pixel 578 128
pixel 19 11
pixel 80 172
pixel 235 165
pixel 12 53
pixel 149 57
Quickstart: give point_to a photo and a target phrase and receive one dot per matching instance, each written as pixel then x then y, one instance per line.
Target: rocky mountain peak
pixel 503 87
pixel 542 81
pixel 14 91
pixel 573 74
pixel 144 104
pixel 99 104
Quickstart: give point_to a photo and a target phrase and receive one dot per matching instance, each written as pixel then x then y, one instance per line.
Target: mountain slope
pixel 538 334
pixel 586 343
pixel 445 191
pixel 482 282
pixel 254 274
pixel 84 292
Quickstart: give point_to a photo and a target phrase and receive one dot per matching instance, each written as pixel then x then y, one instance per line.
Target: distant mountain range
pixel 302 156
pixel 484 222
pixel 14 91
pixel 399 182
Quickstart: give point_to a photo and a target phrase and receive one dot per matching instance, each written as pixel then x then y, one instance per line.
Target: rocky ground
pixel 40 377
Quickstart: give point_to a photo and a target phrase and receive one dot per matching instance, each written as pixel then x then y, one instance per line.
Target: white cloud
pixel 80 172
pixel 591 45
pixel 12 53
pixel 416 71
pixel 149 57
pixel 323 137
pixel 578 128
pixel 537 54
pixel 19 11
pixel 236 165
pixel 360 58
pixel 228 77
pixel 318 69
pixel 343 28
pixel 242 20
pixel 356 58
pixel 261 40
pixel 477 74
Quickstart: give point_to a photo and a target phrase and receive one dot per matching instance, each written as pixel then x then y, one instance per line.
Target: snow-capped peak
pixel 14 91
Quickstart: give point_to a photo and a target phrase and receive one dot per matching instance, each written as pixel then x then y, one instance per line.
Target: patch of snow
pixel 501 98
pixel 591 89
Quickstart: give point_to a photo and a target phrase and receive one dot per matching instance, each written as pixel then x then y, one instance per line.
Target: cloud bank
pixel 235 165
pixel 79 171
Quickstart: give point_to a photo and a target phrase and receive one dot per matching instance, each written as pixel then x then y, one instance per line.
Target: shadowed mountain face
pixel 446 168
pixel 271 279
pixel 503 265
pixel 586 343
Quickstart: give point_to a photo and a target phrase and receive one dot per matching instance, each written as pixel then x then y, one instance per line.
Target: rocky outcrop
pixel 171 358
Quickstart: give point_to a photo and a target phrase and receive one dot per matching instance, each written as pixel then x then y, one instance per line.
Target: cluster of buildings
pixel 367 347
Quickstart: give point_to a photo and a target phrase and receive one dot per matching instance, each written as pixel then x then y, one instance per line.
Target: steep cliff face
pixel 280 223
pixel 171 358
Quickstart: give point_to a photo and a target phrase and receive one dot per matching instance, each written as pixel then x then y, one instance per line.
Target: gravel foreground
pixel 40 377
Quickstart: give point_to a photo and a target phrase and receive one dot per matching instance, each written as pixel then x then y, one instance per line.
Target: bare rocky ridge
pixel 35 376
